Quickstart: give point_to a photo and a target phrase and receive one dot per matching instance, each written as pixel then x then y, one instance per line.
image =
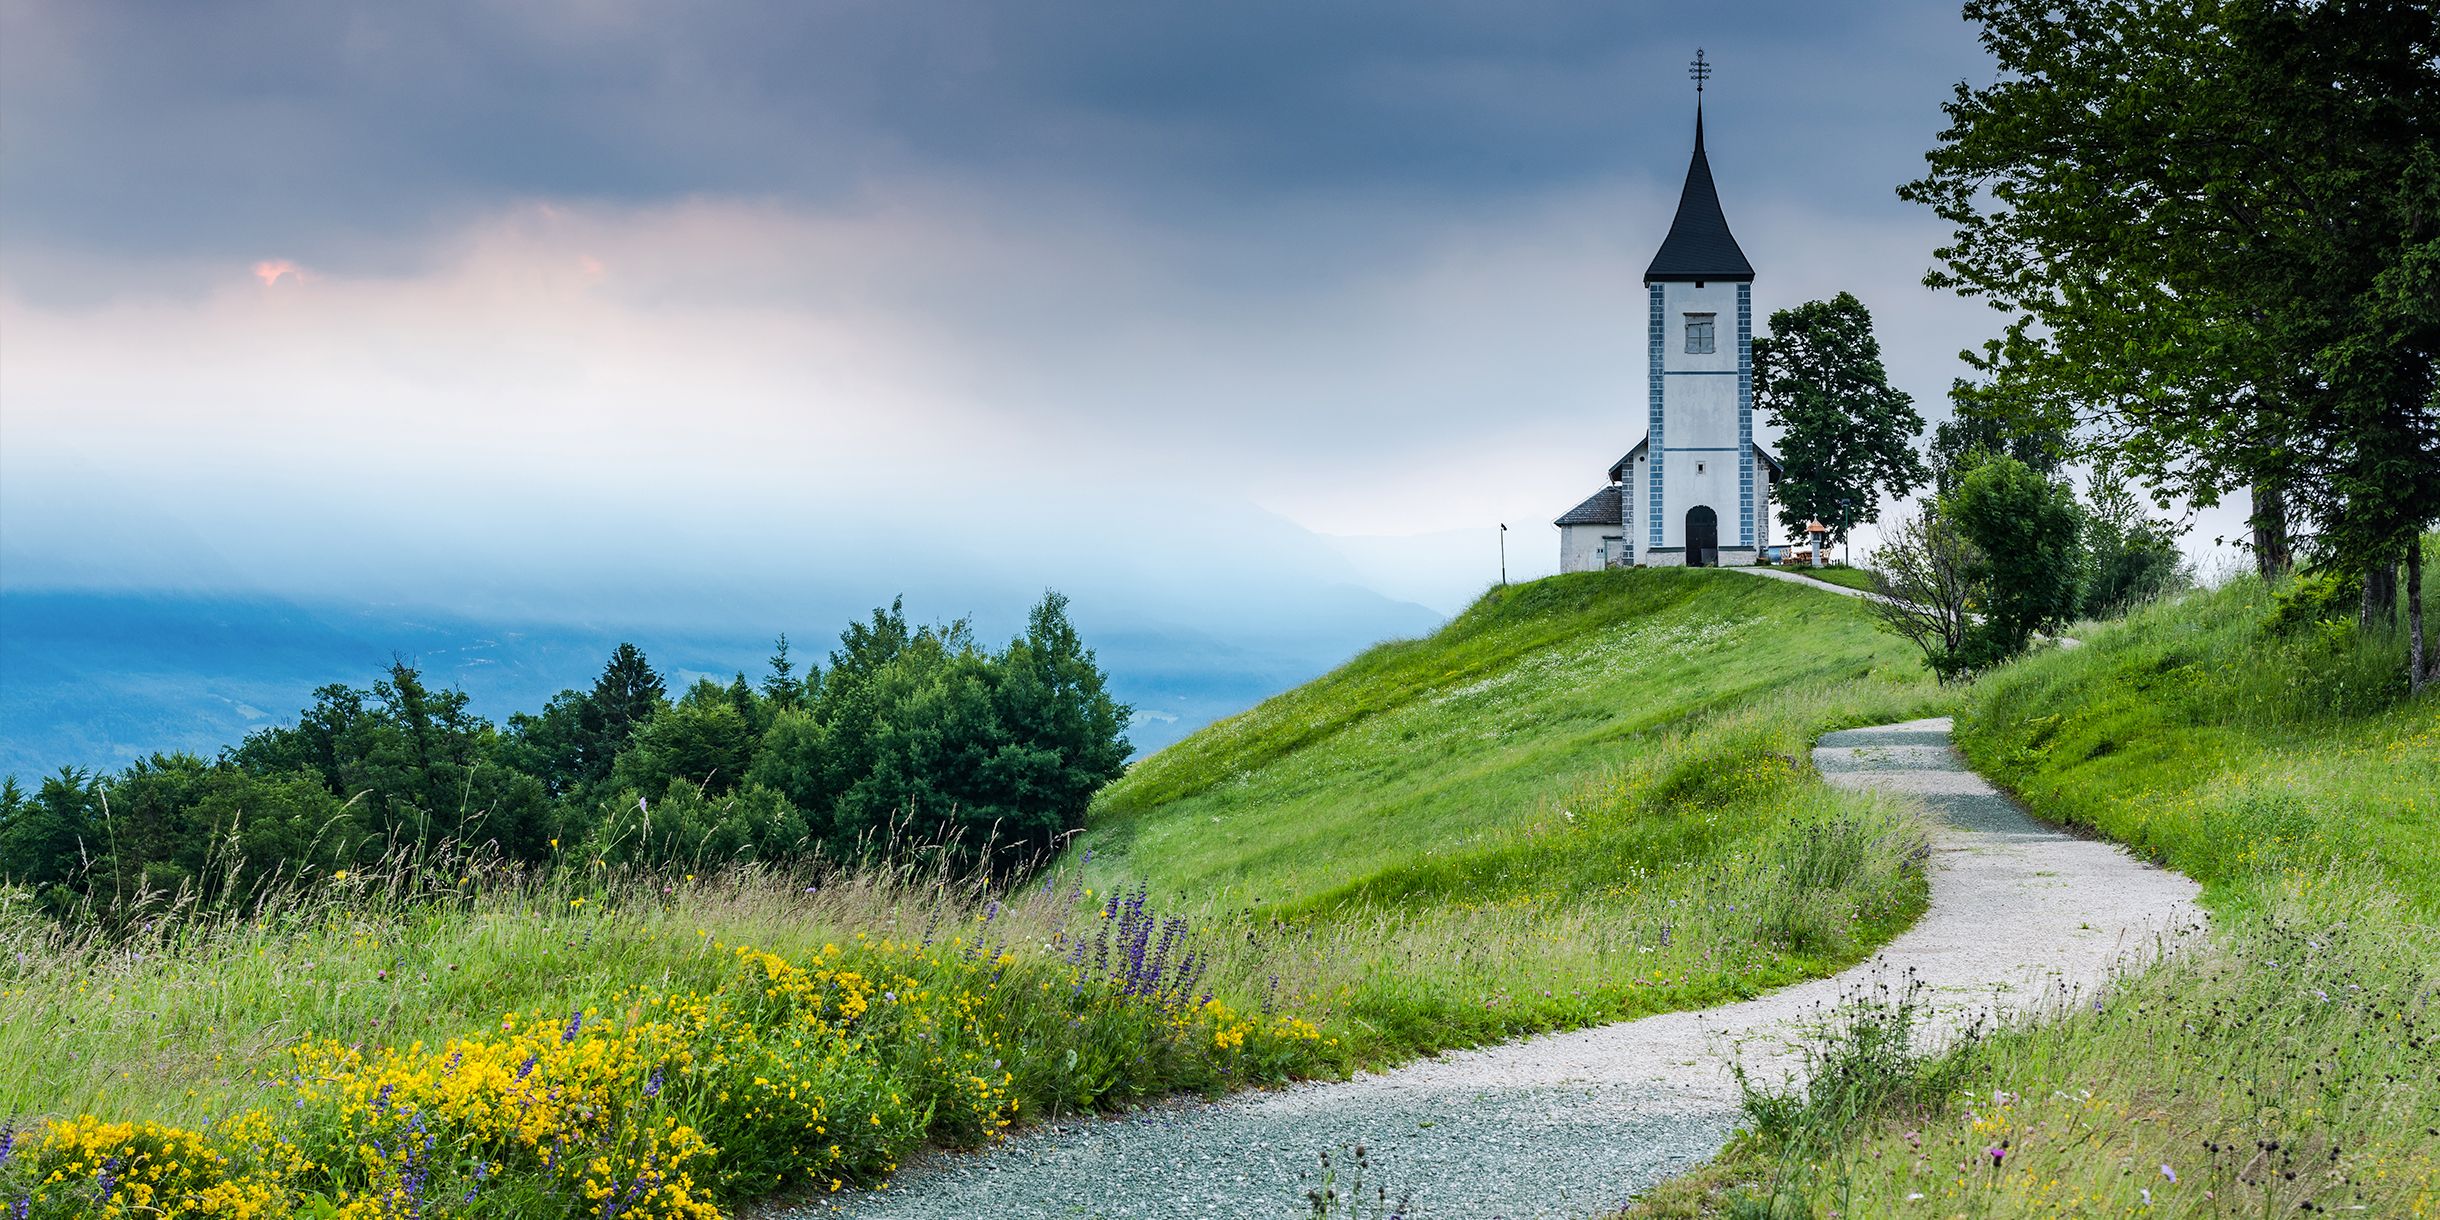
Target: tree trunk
pixel 2416 674
pixel 2269 519
pixel 2380 595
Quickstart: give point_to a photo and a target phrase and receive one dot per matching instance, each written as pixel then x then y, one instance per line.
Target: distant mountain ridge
pixel 98 679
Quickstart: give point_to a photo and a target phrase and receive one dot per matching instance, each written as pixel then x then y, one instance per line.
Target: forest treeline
pixel 913 735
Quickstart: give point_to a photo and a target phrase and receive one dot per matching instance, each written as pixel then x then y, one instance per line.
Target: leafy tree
pixel 1849 434
pixel 791 759
pixel 704 739
pixel 551 745
pixel 1922 572
pixel 317 742
pixel 178 822
pixel 1990 420
pixel 877 706
pixel 2129 557
pixel 685 824
pixel 419 766
pixel 2023 530
pixel 2216 229
pixel 1067 736
pixel 921 738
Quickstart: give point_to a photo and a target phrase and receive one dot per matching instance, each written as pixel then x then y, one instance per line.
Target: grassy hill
pixel 1424 765
pixel 2287 1066
pixel 1501 808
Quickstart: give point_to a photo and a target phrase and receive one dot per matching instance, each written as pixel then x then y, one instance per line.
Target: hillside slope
pixel 2286 1066
pixel 1586 798
pixel 1415 771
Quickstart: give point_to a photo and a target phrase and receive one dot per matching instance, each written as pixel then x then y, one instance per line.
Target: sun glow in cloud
pixel 270 270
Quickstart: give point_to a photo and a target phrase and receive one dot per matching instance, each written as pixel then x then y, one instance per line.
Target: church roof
pixel 1600 508
pixel 1699 245
pixel 1618 471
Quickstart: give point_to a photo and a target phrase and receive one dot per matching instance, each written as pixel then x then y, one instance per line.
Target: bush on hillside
pixel 2025 531
pixel 2129 558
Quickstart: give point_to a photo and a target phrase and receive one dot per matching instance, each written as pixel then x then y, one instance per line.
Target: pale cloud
pixel 1086 288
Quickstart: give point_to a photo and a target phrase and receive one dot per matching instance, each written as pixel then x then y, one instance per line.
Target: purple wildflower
pixel 652 1087
pixel 576 1021
pixel 1997 1153
pixel 8 1143
pixel 2168 1173
pixel 528 1068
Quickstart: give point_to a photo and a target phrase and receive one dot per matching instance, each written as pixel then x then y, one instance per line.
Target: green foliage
pixel 2129 558
pixel 920 737
pixel 704 739
pixel 1849 435
pixel 2024 532
pixel 1998 419
pixel 2217 228
pixel 1924 573
pixel 2315 600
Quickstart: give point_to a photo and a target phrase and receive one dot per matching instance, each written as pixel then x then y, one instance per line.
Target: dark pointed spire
pixel 1699 245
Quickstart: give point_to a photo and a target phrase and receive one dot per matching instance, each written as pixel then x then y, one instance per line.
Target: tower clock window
pixel 1699 333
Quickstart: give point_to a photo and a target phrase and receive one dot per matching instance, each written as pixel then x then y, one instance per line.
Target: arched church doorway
pixel 1702 537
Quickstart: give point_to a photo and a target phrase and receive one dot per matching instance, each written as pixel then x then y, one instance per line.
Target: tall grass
pixel 721 1022
pixel 2289 1065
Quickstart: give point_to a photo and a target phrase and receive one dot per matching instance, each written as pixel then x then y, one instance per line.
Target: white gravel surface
pixel 1868 595
pixel 1574 1124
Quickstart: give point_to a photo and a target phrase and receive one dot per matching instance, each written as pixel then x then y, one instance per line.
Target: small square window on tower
pixel 1698 333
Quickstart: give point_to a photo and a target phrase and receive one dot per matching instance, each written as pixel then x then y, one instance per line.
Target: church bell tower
pixel 1698 496
pixel 1697 489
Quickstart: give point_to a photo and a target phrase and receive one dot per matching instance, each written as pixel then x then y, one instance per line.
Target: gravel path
pixel 1868 595
pixel 1573 1124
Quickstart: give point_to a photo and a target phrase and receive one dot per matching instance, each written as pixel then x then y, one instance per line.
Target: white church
pixel 1696 491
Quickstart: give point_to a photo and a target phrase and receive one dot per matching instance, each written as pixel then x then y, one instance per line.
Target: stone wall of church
pixel 1581 547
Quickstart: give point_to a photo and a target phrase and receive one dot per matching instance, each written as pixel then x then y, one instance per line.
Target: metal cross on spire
pixel 1699 69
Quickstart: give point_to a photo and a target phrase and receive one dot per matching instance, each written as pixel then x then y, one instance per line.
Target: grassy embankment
pixel 1586 798
pixel 1834 574
pixel 2291 1066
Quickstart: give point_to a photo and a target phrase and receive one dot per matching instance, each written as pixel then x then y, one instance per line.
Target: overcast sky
pixel 482 302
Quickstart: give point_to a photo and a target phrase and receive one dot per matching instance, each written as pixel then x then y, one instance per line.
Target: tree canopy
pixel 1849 436
pixel 918 737
pixel 2214 228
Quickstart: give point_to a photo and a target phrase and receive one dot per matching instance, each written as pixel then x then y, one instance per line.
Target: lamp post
pixel 1503 554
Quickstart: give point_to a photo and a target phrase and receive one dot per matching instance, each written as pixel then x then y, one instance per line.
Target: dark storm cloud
pixel 346 133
